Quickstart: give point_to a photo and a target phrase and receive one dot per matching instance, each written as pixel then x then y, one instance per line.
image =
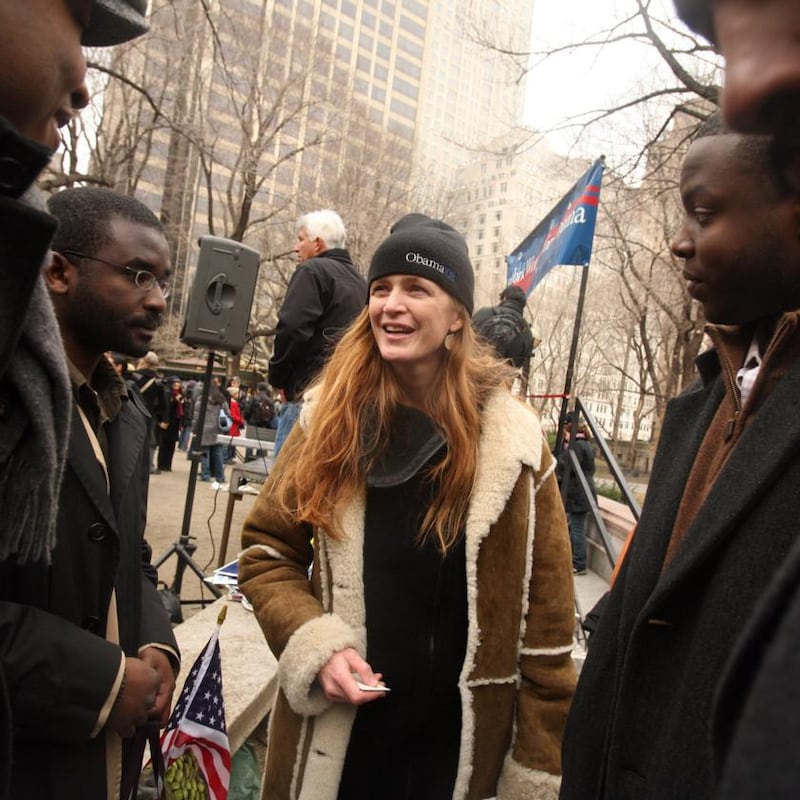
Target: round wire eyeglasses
pixel 143 278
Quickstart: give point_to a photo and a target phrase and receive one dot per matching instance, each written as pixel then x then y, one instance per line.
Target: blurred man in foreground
pixel 42 72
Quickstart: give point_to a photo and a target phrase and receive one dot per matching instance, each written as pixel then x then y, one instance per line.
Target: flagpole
pixel 573 354
pixel 564 237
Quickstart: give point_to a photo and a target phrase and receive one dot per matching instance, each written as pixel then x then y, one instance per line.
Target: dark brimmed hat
pixel 699 16
pixel 115 21
pixel 430 248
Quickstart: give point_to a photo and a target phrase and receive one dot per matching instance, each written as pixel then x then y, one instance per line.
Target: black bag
pixel 504 330
pixel 138 782
pixel 171 603
pixel 263 411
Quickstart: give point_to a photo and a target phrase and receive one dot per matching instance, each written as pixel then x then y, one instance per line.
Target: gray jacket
pixel 216 400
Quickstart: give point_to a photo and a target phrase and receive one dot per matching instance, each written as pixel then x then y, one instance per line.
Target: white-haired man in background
pixel 324 295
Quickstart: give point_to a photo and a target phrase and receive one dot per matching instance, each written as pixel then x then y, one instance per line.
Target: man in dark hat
pixel 42 72
pixel 505 328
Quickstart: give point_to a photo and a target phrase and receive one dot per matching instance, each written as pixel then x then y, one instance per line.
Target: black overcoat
pixel 59 667
pixel 756 725
pixel 576 501
pixel 645 709
pixel 324 296
pixel 25 235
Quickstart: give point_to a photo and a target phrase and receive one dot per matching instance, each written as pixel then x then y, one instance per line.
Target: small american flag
pixel 198 720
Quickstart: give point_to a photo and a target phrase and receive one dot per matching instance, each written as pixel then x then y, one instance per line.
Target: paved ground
pixel 165 518
pixel 589 589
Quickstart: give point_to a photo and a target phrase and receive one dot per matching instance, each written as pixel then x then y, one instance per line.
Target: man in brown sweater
pixel 723 501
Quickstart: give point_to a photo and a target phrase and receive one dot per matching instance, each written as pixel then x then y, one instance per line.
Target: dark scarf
pixel 31 478
pixel 29 486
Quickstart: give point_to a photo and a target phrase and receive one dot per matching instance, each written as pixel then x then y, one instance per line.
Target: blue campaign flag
pixel 564 236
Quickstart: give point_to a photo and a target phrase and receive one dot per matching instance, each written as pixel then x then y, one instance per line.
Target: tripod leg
pixel 185 560
pixel 165 555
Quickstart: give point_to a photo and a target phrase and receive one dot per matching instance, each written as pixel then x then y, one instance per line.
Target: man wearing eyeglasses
pixel 82 708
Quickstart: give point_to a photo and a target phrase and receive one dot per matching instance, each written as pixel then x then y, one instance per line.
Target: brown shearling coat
pixel 518 678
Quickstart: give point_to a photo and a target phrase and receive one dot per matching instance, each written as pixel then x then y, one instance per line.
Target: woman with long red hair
pixel 408 558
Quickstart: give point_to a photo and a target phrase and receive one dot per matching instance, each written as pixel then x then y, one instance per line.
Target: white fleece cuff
pixel 305 654
pixel 520 783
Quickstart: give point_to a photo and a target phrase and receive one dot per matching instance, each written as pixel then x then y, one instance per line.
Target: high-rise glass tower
pixel 258 110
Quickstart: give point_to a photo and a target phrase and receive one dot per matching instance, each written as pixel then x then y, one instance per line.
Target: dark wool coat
pixel 645 719
pixel 59 668
pixel 517 678
pixel 756 725
pixel 576 502
pixel 324 296
pixel 34 386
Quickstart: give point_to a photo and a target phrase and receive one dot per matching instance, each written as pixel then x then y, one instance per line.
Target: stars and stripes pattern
pixel 198 722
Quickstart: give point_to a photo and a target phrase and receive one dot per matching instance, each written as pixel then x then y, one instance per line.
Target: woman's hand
pixel 338 683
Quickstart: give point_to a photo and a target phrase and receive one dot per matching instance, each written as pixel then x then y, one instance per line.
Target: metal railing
pixel 572 464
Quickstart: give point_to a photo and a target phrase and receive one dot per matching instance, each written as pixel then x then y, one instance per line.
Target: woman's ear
pixel 457 325
pixel 58 274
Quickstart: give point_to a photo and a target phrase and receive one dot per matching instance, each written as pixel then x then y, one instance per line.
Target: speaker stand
pixel 185 547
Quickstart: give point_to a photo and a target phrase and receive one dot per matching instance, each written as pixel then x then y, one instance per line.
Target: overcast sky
pixel 586 79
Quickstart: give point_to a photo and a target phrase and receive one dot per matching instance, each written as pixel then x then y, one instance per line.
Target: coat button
pixel 97 532
pixel 91 624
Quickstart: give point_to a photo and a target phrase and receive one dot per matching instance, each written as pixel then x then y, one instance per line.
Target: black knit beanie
pixel 430 248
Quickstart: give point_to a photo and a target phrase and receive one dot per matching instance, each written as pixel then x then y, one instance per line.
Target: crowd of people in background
pixel 174 404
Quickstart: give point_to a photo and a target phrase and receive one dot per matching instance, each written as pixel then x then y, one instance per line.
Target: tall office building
pixel 470 93
pixel 258 110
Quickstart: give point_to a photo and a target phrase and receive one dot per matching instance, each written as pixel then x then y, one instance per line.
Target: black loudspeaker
pixel 222 295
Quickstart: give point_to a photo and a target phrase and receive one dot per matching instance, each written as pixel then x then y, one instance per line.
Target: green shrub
pixel 611 491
